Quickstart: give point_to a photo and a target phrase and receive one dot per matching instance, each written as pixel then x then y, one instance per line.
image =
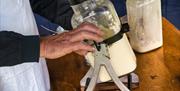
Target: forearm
pixel 16 48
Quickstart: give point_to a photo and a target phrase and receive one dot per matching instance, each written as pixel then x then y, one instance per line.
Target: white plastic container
pixel 145 21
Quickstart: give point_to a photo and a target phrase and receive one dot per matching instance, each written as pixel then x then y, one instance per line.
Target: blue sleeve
pixel 120 6
pixel 171 10
pixel 17 49
pixel 44 25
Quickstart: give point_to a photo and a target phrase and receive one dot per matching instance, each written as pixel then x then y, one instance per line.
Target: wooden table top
pixel 158 70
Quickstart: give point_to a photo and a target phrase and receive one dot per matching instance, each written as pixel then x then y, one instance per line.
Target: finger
pixel 90 27
pixel 81 52
pixel 81 46
pixel 85 35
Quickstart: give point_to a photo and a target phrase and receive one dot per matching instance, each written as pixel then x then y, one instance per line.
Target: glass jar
pixel 99 12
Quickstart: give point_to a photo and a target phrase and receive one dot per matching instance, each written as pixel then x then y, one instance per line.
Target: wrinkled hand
pixel 59 45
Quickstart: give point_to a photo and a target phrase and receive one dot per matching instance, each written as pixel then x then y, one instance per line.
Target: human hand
pixel 59 45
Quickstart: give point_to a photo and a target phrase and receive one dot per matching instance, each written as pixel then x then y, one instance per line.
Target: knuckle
pixel 83 34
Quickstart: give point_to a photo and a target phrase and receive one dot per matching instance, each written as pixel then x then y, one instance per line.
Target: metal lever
pixel 102 59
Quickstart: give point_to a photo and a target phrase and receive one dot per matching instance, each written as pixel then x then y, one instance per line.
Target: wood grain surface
pixel 158 70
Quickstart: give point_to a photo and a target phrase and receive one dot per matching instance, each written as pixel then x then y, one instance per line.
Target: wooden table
pixel 158 70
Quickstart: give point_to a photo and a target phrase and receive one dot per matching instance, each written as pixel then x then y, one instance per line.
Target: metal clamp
pixel 102 59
